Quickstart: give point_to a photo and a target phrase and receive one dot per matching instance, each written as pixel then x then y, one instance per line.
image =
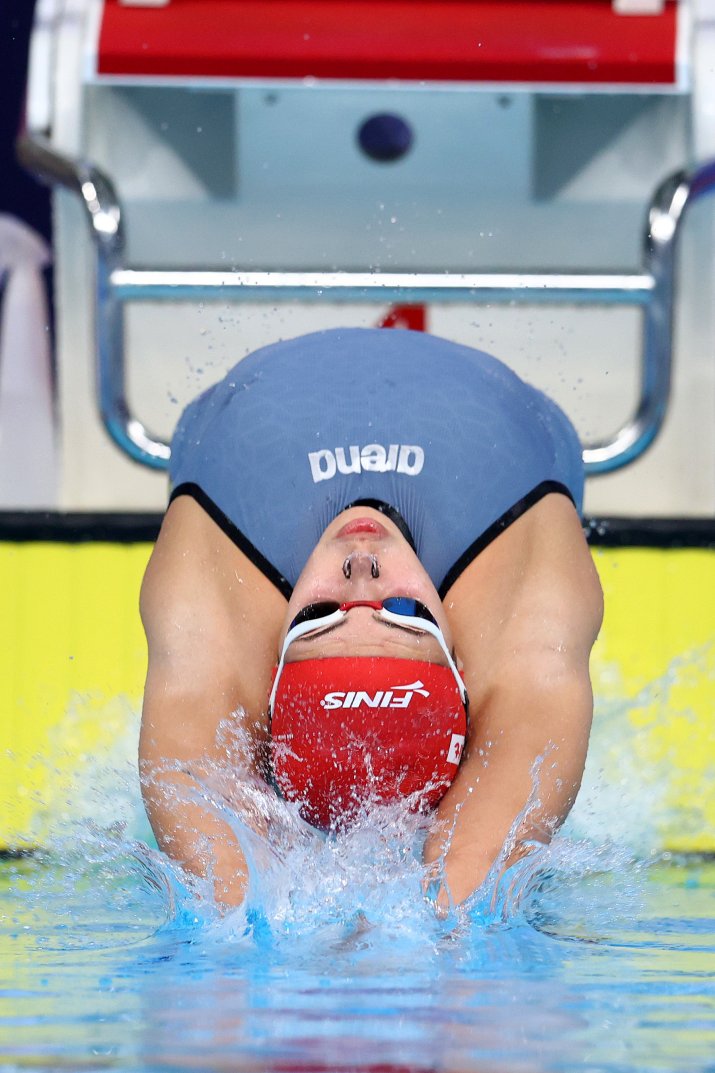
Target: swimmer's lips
pixel 362 526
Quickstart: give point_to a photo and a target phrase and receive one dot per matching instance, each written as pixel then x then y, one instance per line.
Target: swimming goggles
pixel 402 611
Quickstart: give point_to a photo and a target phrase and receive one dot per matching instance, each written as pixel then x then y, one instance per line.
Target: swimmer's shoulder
pixel 200 588
pixel 535 584
pixel 191 543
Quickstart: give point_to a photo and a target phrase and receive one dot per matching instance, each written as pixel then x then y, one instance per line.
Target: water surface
pixel 595 961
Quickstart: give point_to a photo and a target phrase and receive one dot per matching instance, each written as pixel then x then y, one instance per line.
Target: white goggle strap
pixel 335 616
pixel 433 629
pixel 293 634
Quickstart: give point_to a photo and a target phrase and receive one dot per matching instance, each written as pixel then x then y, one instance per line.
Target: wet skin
pixel 362 631
pixel 522 617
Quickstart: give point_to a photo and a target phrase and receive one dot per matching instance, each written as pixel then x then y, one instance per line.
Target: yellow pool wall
pixel 73 665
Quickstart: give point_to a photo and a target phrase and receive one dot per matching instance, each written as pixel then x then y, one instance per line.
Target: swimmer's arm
pixel 176 756
pixel 209 657
pixel 530 739
pixel 526 669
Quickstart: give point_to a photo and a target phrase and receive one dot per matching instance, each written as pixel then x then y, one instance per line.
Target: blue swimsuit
pixel 446 440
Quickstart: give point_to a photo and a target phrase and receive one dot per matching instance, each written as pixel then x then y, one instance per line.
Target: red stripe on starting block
pixel 413 317
pixel 552 41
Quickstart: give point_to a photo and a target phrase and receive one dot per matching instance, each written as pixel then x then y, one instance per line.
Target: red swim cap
pixel 348 730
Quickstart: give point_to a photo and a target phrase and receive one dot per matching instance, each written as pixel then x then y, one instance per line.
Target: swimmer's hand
pixel 191 830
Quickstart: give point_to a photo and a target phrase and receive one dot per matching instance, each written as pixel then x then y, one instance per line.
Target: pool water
pixel 589 958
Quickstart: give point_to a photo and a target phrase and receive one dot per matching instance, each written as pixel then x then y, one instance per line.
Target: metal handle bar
pixel 135 285
pixel 653 289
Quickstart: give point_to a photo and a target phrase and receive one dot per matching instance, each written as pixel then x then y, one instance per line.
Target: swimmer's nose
pixel 361 565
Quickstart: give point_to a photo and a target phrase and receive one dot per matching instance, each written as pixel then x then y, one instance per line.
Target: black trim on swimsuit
pixel 389 511
pixel 189 488
pixel 490 534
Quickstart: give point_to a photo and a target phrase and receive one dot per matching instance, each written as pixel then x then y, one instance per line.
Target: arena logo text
pixel 373 458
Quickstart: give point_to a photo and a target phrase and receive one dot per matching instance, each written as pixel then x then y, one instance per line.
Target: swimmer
pixel 372 563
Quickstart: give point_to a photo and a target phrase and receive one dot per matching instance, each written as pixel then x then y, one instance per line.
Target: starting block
pixel 513 174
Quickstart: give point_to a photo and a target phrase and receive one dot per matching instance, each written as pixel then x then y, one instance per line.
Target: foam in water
pixel 365 878
pixel 581 955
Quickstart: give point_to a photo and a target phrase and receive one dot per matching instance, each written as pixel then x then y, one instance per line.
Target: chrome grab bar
pixel 133 285
pixel 653 289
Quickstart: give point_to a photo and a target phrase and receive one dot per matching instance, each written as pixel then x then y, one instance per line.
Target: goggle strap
pixel 423 624
pixel 293 634
pixel 434 630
